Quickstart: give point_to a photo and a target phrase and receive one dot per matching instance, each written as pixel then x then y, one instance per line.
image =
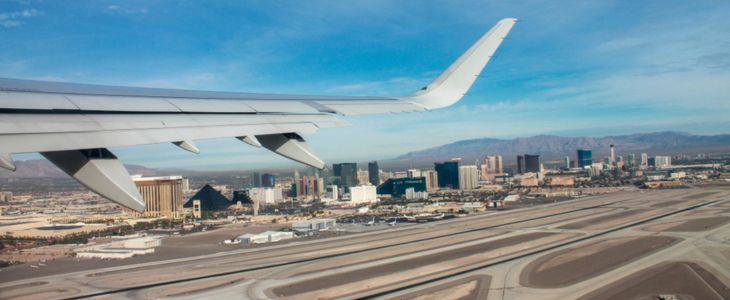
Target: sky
pixel 570 68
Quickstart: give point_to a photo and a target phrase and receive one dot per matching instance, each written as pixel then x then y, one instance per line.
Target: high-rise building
pixel 468 177
pixel 414 173
pixel 491 168
pixel 331 193
pixel 347 173
pixel 185 185
pixel 662 161
pixel 411 194
pixel 297 188
pixel 363 176
pixel 567 162
pixel 267 196
pixel 256 179
pixel 432 180
pixel 268 180
pixel 585 158
pixel 448 174
pixel 532 163
pixel 494 164
pixel 6 197
pixel 520 164
pixel 163 196
pixel 644 160
pixel 374 173
pixel 632 160
pixel 612 159
pixel 363 194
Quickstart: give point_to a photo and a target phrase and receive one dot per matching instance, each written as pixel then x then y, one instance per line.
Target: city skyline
pixel 606 67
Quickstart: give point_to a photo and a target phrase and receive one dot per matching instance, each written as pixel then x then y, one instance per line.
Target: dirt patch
pixel 668 203
pixel 700 224
pixel 44 293
pixel 23 286
pixel 708 211
pixel 592 222
pixel 699 195
pixel 686 280
pixel 335 280
pixel 690 225
pixel 185 289
pixel 472 287
pixel 572 265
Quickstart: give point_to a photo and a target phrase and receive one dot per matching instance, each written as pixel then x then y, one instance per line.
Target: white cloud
pixel 16 18
pixel 127 10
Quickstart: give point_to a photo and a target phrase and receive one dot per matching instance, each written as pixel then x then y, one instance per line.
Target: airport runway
pixel 600 247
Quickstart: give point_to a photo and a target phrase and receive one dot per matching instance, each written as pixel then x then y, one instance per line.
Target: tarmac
pixel 621 245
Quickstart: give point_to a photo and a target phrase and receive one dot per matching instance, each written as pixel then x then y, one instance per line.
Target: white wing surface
pixel 73 125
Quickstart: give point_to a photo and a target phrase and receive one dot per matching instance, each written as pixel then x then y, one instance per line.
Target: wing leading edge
pixel 70 123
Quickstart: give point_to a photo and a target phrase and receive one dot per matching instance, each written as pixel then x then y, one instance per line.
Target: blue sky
pixel 569 68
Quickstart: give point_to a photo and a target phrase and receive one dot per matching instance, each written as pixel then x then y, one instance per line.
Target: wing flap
pixel 212 106
pixel 121 104
pixel 35 101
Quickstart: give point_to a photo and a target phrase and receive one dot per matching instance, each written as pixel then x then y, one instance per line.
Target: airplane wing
pixel 73 125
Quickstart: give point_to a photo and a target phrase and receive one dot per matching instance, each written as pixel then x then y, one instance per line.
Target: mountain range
pixel 555 147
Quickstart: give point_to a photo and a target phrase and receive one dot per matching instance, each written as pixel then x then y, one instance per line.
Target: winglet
pixel 453 83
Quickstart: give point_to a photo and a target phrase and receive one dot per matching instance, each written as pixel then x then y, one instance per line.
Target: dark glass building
pixel 396 187
pixel 347 172
pixel 585 158
pixel 268 180
pixel 520 164
pixel 374 173
pixel 448 174
pixel 532 163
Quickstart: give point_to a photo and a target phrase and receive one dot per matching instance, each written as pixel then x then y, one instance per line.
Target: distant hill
pixel 44 168
pixel 550 146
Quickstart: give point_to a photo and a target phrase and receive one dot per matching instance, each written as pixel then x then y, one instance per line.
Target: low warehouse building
pixel 314 225
pixel 120 249
pixel 264 237
pixel 110 254
pixel 250 238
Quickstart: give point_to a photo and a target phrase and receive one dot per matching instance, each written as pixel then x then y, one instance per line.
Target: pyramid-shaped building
pixel 210 200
